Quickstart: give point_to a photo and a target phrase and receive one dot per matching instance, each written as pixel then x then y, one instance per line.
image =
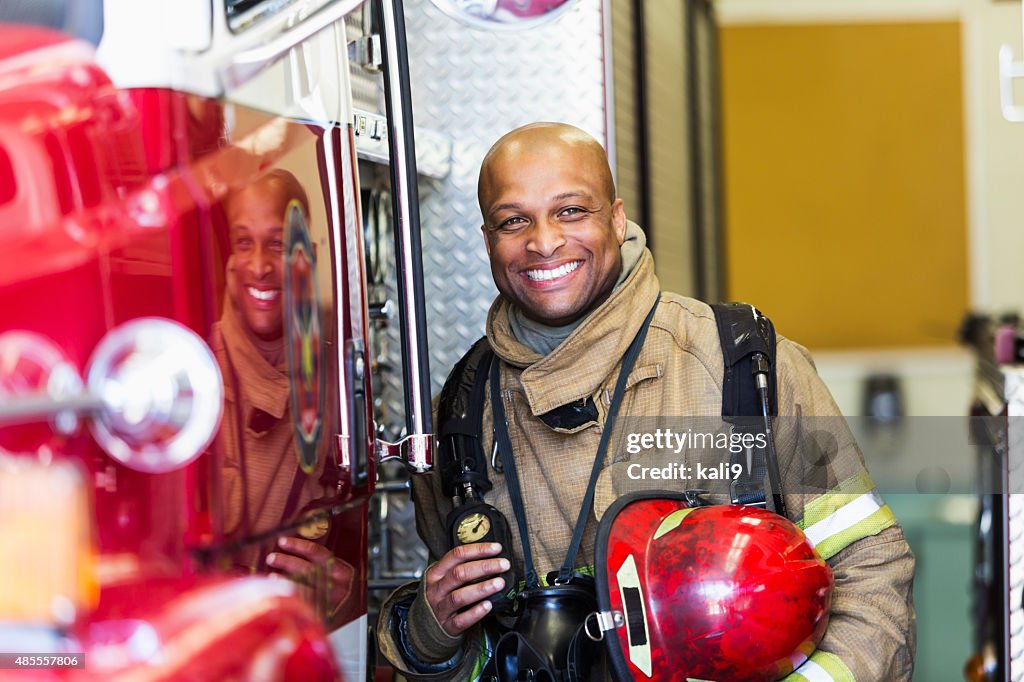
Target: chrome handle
pixel 405 195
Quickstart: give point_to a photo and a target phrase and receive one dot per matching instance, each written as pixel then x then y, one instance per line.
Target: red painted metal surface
pixel 110 210
pixel 729 592
pixel 210 629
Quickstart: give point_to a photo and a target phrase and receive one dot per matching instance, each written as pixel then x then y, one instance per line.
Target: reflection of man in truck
pixel 263 484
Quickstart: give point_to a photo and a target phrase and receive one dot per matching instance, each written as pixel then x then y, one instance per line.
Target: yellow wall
pixel 844 180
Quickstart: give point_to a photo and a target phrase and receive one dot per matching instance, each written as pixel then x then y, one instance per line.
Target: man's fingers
pixel 469 572
pixel 306 549
pixel 460 622
pixel 454 588
pixel 449 605
pixel 471 594
pixel 289 565
pixel 464 607
pixel 460 555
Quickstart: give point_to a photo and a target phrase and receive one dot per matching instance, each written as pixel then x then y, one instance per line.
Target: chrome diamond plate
pixel 1014 391
pixel 474 86
pixel 433 151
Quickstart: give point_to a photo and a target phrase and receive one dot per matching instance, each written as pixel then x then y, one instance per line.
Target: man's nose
pixel 261 262
pixel 546 237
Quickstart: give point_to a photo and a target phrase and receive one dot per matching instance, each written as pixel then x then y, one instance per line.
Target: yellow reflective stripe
pixel 672 521
pixel 543 577
pixel 821 667
pixel 861 517
pixel 872 524
pixel 825 505
pixel 486 651
pixel 851 511
pixel 478 667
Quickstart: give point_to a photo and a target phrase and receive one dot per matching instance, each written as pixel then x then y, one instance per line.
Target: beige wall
pixel 995 160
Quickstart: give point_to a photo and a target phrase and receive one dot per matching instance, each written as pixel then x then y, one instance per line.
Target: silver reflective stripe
pixel 812 672
pixel 844 518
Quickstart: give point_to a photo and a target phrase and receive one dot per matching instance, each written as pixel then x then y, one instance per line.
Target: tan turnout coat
pixel 871 634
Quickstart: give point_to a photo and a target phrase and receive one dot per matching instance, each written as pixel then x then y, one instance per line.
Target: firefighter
pixel 576 284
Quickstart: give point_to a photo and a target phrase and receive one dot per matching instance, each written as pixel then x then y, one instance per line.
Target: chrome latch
pixel 366 51
pixel 417 451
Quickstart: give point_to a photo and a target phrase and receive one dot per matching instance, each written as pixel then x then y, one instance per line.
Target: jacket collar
pixel 582 363
pixel 263 386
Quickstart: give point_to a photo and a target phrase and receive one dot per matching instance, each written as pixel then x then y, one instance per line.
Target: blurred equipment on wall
pixel 997 410
pixel 883 398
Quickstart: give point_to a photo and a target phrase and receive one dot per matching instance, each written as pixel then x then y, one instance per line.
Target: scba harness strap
pixel 746 335
pixel 743 332
pixel 748 401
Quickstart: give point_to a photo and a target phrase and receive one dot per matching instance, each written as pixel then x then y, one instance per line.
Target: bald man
pixel 576 286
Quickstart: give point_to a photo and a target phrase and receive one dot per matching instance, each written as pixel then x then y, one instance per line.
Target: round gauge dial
pixel 315 528
pixel 473 528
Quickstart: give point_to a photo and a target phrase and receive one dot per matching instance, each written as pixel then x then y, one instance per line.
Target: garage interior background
pixel 842 164
pixel 866 156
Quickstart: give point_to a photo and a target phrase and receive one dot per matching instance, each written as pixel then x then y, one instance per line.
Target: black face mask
pixel 548 642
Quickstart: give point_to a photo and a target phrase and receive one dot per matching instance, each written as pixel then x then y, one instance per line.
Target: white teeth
pixel 560 271
pixel 264 295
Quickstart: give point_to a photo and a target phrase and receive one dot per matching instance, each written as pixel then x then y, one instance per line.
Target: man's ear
pixel 487 241
pixel 619 220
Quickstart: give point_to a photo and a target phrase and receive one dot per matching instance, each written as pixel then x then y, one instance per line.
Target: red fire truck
pixel 185 413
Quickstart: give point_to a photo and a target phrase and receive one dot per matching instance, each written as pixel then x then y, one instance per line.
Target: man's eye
pixel 571 212
pixel 277 246
pixel 513 223
pixel 243 244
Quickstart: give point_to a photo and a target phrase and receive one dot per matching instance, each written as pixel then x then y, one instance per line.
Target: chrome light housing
pixel 161 394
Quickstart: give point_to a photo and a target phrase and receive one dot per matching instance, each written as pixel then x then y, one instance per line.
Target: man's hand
pixel 314 565
pixel 456 600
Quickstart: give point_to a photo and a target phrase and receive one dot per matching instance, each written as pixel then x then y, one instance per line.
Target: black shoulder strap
pixel 745 333
pixel 460 414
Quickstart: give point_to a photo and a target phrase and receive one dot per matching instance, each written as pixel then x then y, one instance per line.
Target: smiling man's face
pixel 256 221
pixel 552 224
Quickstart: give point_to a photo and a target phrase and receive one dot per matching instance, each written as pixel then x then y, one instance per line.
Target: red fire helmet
pixel 721 592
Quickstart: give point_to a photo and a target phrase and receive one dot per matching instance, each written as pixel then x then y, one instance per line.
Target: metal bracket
pixel 1009 70
pixel 604 621
pixel 366 51
pixel 417 451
